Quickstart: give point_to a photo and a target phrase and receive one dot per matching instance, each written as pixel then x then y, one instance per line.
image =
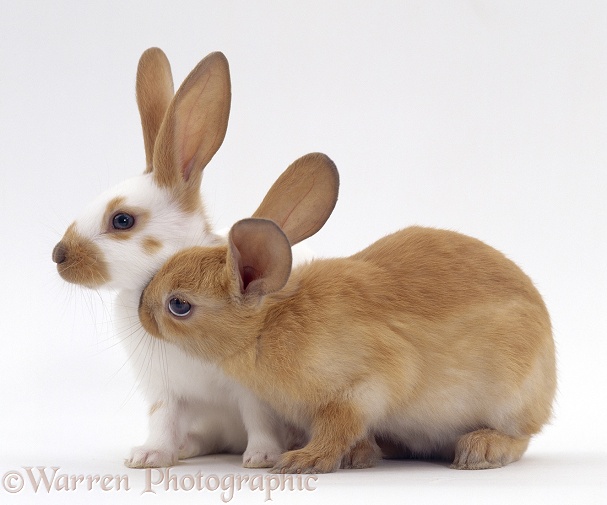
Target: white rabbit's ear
pixel 154 89
pixel 193 129
pixel 259 254
pixel 303 197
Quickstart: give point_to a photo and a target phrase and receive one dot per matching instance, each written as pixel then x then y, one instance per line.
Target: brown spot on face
pixel 151 245
pixel 110 209
pixel 117 206
pixel 80 261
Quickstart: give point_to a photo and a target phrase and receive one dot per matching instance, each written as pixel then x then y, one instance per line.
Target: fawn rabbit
pixel 427 339
pixel 128 232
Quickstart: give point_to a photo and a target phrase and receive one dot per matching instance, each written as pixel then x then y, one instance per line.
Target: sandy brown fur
pixel 84 264
pixel 427 338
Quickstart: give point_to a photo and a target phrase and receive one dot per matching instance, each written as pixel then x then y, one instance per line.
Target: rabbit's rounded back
pixel 465 306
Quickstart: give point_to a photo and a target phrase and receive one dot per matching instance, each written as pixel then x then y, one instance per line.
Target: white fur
pixel 130 266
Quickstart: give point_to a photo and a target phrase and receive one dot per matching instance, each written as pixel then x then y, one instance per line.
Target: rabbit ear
pixel 194 128
pixel 154 89
pixel 259 254
pixel 303 197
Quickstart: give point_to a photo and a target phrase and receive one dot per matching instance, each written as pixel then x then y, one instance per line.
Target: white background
pixel 489 118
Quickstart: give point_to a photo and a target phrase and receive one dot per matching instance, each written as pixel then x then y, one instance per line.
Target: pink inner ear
pixel 249 274
pixel 187 170
pixel 196 143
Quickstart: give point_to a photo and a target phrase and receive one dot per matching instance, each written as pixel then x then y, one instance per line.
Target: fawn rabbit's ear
pixel 154 89
pixel 259 254
pixel 194 127
pixel 303 197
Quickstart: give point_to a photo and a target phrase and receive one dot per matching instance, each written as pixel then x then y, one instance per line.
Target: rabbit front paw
pixel 150 457
pixel 260 459
pixel 304 461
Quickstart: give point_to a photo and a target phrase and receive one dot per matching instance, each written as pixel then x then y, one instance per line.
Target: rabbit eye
pixel 179 307
pixel 123 221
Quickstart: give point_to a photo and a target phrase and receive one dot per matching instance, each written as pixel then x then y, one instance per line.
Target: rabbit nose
pixel 59 253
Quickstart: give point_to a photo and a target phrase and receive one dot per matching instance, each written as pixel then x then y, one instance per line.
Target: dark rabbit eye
pixel 179 307
pixel 122 221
